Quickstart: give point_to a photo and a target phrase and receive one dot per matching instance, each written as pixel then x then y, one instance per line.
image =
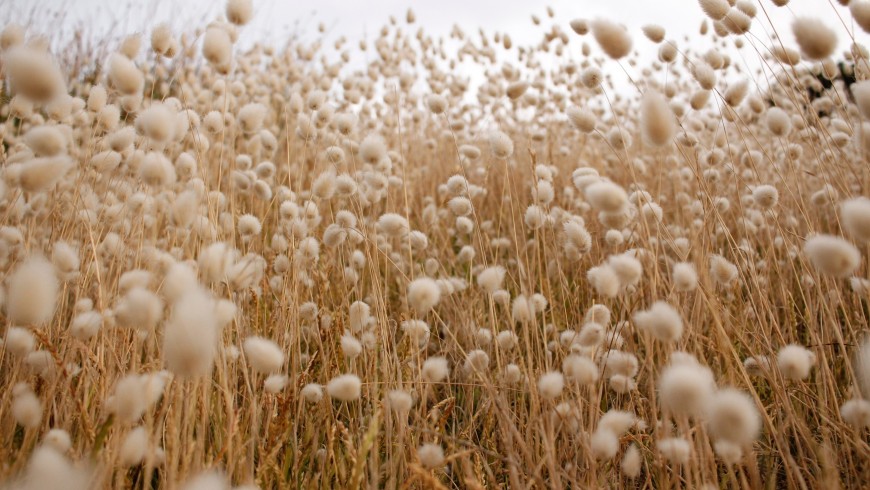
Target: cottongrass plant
pixel 340 264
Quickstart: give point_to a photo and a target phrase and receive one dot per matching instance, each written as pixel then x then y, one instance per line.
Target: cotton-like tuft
pixel 423 294
pixel 345 388
pixel 795 361
pixel 249 225
pixel 26 407
pixel 42 174
pixel 46 141
pixel 657 119
pixel 436 103
pixel 661 320
pixel 604 444
pixel 491 278
pixel 435 369
pixel 191 335
pixel 400 401
pixel 501 145
pixel 275 383
pixel 631 462
pixel 686 388
pixel 431 456
pixel 715 9
pixel 124 75
pixel 32 292
pixel 855 216
pixel 856 412
pixel 778 121
pixel 134 447
pixel 263 355
pixel 157 122
pixel 606 196
pixel 722 271
pixel 612 37
pixel 816 40
pixel 675 450
pixel 239 12
pixel 765 196
pixel 312 393
pixel 217 47
pixel 832 255
pixel 732 416
pixel 550 384
pixel 350 346
pixel 684 276
pixel 580 370
pixel 34 74
pixel 580 26
pixel 19 341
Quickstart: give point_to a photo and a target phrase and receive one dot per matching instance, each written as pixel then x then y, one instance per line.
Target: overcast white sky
pixel 355 19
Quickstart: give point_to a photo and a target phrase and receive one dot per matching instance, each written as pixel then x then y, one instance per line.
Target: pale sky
pixel 273 19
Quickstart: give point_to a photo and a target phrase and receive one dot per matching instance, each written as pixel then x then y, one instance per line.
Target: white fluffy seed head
pixel 46 141
pixel 675 450
pixel 686 388
pixel 550 384
pixel 612 37
pixel 312 393
pixel 795 361
pixel 34 74
pixel 431 455
pixel 604 444
pixel 617 421
pixel 855 217
pixel 217 47
pixel 423 294
pixel 722 271
pixel 832 255
pixel 400 401
pixel 501 145
pixel 32 292
pixel 372 149
pixel 657 119
pixel 19 341
pixel 715 9
pixel 124 75
pixel 606 196
pixel 350 346
pixel 778 121
pixel 42 174
pixel 661 320
pixel 631 462
pixel 580 370
pixel 26 407
pixel 765 196
pixel 491 278
pixel 732 416
pixel 58 439
pixel 263 355
pixel 249 225
pixel 345 387
pixel 684 276
pixel 239 12
pixel 436 103
pixel 435 369
pixel 581 119
pixel 134 447
pixel 275 383
pixel 856 412
pixel 816 40
pixel 191 335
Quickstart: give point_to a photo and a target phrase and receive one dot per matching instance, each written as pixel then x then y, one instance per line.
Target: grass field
pixel 351 264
